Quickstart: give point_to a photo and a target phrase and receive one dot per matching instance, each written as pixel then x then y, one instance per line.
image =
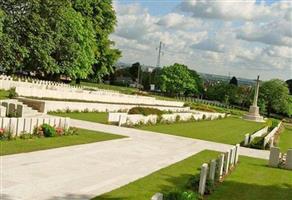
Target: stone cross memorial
pixel 254 114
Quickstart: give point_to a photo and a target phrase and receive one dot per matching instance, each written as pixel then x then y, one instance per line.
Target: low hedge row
pixel 145 111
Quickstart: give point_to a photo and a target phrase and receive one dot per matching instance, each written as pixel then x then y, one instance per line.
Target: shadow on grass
pixel 232 190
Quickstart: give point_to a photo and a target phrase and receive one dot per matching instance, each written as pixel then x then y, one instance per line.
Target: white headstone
pixel 226 162
pixel 157 196
pixel 203 178
pixel 212 170
pixel 289 159
pixel 274 157
pixel 246 139
pixel 221 165
pixel 237 154
pixel 232 156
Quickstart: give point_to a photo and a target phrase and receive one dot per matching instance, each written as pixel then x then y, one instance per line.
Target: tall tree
pixel 177 79
pixel 233 81
pixel 103 18
pixel 275 95
pixel 289 83
pixel 51 37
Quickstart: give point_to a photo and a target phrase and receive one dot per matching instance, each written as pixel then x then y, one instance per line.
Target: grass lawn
pixel 4 94
pixel 124 90
pixel 90 116
pixel 251 180
pixel 230 130
pixel 285 140
pixel 83 137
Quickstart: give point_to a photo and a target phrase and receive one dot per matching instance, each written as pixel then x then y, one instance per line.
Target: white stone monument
pixel 254 114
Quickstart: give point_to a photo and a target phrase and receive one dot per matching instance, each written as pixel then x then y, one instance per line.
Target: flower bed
pixel 44 130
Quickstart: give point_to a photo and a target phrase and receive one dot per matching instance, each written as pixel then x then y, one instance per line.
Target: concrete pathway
pixel 85 171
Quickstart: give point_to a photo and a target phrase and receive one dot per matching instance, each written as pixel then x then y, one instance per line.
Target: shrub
pixel 71 131
pixel 48 130
pixel 194 181
pixel 5 134
pixel 257 143
pixel 25 136
pixel 145 111
pixel 12 93
pixel 180 195
pixel 177 118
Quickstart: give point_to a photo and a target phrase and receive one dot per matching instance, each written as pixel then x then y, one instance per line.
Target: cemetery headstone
pixel 19 110
pixel 289 159
pixel 12 110
pixel 274 157
pixel 157 196
pixel 221 165
pixel 203 178
pixel 226 162
pixel 212 170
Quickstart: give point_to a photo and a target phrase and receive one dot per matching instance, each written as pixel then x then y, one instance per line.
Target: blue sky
pixel 234 37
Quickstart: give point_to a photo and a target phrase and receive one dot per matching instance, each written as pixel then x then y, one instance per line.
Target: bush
pixel 194 181
pixel 48 130
pixel 257 143
pixel 145 111
pixel 5 134
pixel 12 93
pixel 180 195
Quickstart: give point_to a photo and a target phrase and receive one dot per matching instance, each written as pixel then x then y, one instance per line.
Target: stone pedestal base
pixel 254 115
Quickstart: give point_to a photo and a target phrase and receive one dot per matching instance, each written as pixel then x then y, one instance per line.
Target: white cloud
pixel 243 39
pixel 231 10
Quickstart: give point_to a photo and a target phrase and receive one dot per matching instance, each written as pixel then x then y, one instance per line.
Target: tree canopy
pixel 68 37
pixel 233 81
pixel 177 79
pixel 275 95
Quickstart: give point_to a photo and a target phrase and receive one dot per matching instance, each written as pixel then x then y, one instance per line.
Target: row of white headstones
pixel 276 158
pixel 225 164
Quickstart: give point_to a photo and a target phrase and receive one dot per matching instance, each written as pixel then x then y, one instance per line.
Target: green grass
pixel 285 140
pixel 161 181
pixel 29 145
pixel 90 116
pixel 4 94
pixel 230 130
pixel 251 180
pixel 121 89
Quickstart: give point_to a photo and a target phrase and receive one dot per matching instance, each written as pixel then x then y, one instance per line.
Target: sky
pixel 242 38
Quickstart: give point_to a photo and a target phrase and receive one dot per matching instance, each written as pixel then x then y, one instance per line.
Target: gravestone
pixel 232 156
pixel 226 162
pixel 157 196
pixel 212 170
pixel 19 110
pixel 274 157
pixel 12 110
pixel 203 178
pixel 221 165
pixel 3 111
pixel 237 154
pixel 289 159
pixel 246 139
pixel 5 104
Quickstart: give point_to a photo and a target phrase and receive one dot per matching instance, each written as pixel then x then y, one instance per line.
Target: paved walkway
pixel 85 171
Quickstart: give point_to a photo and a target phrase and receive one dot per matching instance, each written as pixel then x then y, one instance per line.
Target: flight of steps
pixel 27 111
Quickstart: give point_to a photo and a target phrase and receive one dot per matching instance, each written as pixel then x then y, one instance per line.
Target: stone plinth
pixel 253 114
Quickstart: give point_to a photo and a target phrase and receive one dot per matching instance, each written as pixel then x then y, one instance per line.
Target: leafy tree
pixel 68 37
pixel 135 71
pixel 198 80
pixel 233 81
pixel 289 83
pixel 103 19
pixel 177 79
pixel 275 95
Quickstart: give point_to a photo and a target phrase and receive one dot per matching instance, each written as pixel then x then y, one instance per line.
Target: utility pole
pixel 159 54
